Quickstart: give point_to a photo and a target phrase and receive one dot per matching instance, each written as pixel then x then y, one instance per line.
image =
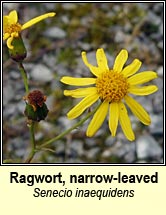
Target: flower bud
pixel 18 53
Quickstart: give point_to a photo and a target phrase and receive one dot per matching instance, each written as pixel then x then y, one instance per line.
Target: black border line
pixel 83 164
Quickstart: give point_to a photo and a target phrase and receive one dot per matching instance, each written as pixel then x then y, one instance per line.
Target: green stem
pixel 31 126
pixel 24 76
pixel 70 129
pixel 33 146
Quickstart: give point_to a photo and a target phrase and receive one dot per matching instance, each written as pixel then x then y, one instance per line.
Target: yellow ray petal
pixel 82 105
pixel 78 81
pixel 80 92
pixel 36 20
pixel 138 110
pixel 102 60
pixel 98 119
pixel 13 17
pixel 5 36
pixel 5 23
pixel 5 20
pixel 132 68
pixel 94 70
pixel 142 91
pixel 9 43
pixel 120 60
pixel 142 77
pixel 114 117
pixel 125 122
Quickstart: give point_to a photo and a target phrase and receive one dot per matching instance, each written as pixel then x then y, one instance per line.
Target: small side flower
pixel 12 28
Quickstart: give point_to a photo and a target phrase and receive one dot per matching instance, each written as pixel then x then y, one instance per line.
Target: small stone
pixel 91 154
pixel 119 37
pixel 156 127
pixel 41 73
pixel 55 33
pixel 8 93
pixel 147 147
pixel 110 141
pixel 69 6
pixel 77 146
pixel 15 75
pixel 160 71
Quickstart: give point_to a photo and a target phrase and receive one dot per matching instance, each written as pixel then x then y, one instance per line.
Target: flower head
pixel 112 87
pixel 35 98
pixel 12 28
pixel 35 109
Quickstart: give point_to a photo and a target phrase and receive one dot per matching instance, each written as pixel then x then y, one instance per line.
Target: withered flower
pixel 36 109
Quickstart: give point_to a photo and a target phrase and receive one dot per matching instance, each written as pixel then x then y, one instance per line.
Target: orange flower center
pixel 112 86
pixel 13 28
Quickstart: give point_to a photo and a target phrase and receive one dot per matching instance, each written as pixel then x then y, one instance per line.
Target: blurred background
pixel 54 50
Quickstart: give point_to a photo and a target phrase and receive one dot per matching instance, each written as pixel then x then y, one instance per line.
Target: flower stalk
pixel 31 124
pixel 33 145
pixel 80 123
pixel 24 76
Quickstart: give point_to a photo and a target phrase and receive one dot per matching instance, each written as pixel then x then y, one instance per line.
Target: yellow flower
pixel 112 87
pixel 12 28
